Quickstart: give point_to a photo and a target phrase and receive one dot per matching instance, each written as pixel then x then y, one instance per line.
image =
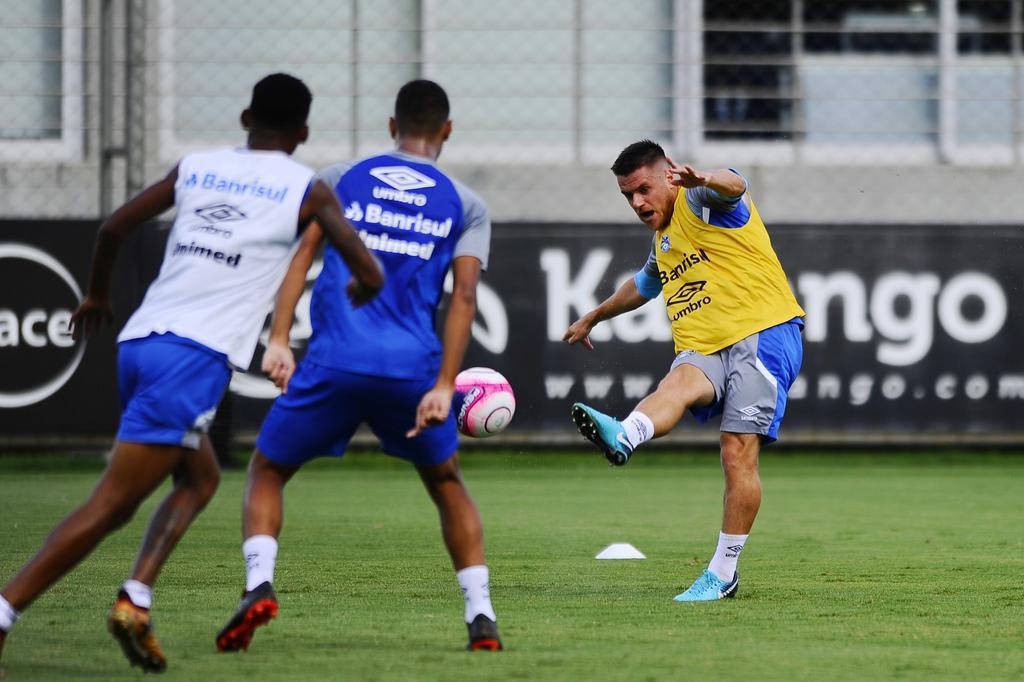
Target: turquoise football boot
pixel 709 587
pixel 603 431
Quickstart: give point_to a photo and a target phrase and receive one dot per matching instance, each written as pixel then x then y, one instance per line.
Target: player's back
pixel 227 251
pixel 416 220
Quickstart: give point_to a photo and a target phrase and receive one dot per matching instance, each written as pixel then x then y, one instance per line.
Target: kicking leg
pixel 464 537
pixel 262 515
pixel 684 386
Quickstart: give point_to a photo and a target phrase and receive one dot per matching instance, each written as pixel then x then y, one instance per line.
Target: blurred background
pixel 881 140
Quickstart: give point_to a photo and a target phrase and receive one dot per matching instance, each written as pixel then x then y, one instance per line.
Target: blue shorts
pixel 170 388
pixel 751 378
pixel 324 406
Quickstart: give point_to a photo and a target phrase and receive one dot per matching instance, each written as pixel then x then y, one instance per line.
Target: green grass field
pixel 861 567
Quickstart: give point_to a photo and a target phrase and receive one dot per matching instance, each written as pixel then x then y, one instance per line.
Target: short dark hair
pixel 281 102
pixel 638 155
pixel 421 108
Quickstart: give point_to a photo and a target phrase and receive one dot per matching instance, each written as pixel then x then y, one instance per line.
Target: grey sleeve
pixel 699 198
pixel 475 239
pixel 647 280
pixel 651 266
pixel 332 174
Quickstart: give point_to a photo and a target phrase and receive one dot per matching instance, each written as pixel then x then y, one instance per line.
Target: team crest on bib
pixel 666 245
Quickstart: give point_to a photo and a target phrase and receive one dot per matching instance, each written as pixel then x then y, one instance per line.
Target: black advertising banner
pixel 51 386
pixel 910 330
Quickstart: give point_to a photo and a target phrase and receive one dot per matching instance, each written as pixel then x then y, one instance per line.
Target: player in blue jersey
pixel 381 364
pixel 201 315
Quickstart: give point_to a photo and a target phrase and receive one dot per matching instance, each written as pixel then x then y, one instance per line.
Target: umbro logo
pixel 219 213
pixel 751 410
pixel 402 177
pixel 686 292
pixel 735 548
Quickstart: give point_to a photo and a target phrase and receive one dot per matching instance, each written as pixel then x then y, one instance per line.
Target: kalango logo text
pixel 689 294
pixel 37 297
pixel 213 218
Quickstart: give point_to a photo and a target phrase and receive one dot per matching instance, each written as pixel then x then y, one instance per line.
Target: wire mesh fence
pixel 100 96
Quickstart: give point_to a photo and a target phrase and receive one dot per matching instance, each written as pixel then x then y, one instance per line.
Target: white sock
pixel 639 428
pixel 260 552
pixel 8 615
pixel 723 564
pixel 140 594
pixel 476 589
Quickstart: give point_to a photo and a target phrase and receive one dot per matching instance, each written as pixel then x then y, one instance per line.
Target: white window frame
pixel 69 146
pixel 689 140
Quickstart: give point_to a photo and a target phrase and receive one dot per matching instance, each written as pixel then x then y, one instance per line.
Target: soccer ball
pixel 484 402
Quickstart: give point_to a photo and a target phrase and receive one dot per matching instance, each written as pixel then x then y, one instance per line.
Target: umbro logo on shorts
pixel 751 410
pixel 402 177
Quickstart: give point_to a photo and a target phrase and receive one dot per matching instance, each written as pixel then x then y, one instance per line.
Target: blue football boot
pixel 603 431
pixel 709 587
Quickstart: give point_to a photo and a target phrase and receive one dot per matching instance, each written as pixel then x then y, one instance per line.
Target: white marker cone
pixel 620 550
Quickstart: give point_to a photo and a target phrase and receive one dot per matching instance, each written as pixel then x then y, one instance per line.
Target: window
pixel 40 80
pixel 352 55
pixel 874 79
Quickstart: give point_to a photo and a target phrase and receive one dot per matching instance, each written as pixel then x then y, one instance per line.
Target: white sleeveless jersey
pixel 228 250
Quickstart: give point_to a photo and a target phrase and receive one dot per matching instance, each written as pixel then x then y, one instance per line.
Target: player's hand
pixel 279 364
pixel 433 409
pixel 686 176
pixel 579 332
pixel 92 312
pixel 360 294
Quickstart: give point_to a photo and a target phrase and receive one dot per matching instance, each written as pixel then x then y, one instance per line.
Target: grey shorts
pixel 751 379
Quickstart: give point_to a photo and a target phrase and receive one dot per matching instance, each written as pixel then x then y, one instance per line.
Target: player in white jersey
pixel 240 212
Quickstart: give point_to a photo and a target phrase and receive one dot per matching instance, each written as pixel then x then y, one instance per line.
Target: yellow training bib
pixel 721 284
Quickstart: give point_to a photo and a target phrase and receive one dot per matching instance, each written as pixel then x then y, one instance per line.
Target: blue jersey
pixel 415 219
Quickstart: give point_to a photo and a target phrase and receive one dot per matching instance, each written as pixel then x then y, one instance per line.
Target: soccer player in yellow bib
pixel 736 327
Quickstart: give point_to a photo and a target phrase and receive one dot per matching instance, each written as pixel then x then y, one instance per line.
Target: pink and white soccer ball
pixel 488 402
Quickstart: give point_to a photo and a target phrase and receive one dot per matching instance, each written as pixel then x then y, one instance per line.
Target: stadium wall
pixel 910 339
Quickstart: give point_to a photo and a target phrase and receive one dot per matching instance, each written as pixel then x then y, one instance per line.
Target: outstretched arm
pixel 726 182
pixel 146 205
pixel 625 299
pixel 435 404
pixel 367 275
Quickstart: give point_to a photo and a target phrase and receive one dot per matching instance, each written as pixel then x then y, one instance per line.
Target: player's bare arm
pixel 367 275
pixel 724 181
pixel 278 360
pixel 148 204
pixel 625 299
pixel 435 404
